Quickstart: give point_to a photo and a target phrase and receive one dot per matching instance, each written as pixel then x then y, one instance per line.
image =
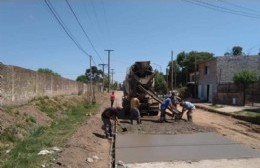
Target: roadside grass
pixel 25 152
pixel 253 113
pixel 216 106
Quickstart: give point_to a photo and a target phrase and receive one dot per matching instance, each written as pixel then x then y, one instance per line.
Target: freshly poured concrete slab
pixel 220 163
pixel 131 148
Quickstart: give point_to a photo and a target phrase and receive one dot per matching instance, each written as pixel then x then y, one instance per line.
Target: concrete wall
pixel 19 85
pixel 207 79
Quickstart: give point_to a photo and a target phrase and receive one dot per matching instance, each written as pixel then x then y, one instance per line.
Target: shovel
pixel 124 129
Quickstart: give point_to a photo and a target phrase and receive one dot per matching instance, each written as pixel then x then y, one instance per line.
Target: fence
pixel 233 94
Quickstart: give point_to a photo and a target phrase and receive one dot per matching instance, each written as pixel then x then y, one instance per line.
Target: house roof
pixel 226 57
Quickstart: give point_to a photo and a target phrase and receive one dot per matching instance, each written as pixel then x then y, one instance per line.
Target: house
pixel 220 70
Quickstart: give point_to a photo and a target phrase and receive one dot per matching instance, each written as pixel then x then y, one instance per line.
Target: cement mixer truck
pixel 139 82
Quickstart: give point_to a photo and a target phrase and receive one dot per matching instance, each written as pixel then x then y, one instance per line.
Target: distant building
pixel 220 70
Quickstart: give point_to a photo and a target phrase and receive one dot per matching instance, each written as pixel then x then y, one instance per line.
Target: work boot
pixel 162 119
pixel 111 134
pixel 189 118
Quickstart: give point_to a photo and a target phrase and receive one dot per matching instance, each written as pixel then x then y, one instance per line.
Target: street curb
pixel 213 110
pixel 243 118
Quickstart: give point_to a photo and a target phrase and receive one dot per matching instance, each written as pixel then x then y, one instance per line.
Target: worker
pixel 107 115
pixel 135 113
pixel 112 98
pixel 189 107
pixel 165 104
pixel 126 106
pixel 175 100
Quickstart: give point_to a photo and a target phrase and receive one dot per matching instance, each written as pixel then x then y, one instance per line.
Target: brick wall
pixel 19 85
pixel 228 66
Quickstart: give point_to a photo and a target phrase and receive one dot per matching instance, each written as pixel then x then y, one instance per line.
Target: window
pixel 206 70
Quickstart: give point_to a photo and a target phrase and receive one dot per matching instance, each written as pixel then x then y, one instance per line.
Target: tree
pixel 237 50
pixel 82 78
pixel 227 54
pixel 48 71
pixel 115 85
pixel 160 85
pixel 245 77
pixel 186 63
pixel 94 73
pixel 187 60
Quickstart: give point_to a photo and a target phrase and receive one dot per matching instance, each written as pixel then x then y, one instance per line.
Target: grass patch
pixel 25 153
pixel 254 113
pixel 9 135
pixel 216 106
pixel 30 119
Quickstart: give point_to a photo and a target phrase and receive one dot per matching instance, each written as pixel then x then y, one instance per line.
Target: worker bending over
pixel 165 104
pixel 108 114
pixel 189 107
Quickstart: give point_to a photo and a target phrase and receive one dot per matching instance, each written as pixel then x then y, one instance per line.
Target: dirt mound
pixel 40 117
pixel 17 121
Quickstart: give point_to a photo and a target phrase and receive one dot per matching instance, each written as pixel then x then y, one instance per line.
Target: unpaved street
pixel 87 147
pixel 240 131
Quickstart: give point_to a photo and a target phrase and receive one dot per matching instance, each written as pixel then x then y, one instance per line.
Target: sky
pixel 137 30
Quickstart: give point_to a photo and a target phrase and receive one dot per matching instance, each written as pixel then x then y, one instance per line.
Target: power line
pixel 94 61
pixel 222 9
pixel 95 14
pixel 98 35
pixel 230 10
pixel 105 16
pixel 102 33
pixel 85 33
pixel 241 7
pixel 61 23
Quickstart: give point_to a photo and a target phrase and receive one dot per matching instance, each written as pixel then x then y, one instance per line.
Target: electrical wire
pixel 61 23
pixel 105 16
pixel 94 62
pixel 229 10
pixel 102 32
pixel 222 9
pixel 240 7
pixel 82 28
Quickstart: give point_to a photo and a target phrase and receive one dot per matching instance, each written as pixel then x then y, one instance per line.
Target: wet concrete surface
pixel 138 148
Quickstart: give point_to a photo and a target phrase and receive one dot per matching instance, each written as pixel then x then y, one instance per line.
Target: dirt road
pixel 240 131
pixel 87 147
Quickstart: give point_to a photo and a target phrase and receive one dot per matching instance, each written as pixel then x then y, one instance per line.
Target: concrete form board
pixel 132 148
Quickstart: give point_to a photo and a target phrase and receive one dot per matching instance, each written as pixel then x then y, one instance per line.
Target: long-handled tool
pixel 177 114
pixel 124 129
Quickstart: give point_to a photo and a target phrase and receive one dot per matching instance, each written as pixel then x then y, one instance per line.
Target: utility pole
pixel 112 73
pixel 172 71
pixel 108 51
pixel 90 57
pixel 175 77
pixel 158 66
pixel 167 78
pixel 103 69
pixel 195 77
